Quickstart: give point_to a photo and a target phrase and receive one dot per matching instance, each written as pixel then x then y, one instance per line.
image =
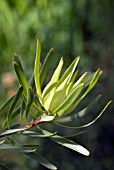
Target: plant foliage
pixel 53 103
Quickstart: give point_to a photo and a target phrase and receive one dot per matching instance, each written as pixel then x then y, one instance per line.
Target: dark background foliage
pixel 81 27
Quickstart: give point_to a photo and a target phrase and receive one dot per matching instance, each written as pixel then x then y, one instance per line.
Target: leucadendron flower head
pixel 63 93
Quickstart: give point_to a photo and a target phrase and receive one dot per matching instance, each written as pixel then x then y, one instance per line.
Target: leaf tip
pixel 15 54
pixel 38 39
pixel 78 58
pixel 2 142
pixel 52 49
pixel 87 153
pixel 109 102
pixel 99 70
pixel 62 59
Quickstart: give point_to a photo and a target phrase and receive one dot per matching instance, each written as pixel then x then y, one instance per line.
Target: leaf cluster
pixel 52 104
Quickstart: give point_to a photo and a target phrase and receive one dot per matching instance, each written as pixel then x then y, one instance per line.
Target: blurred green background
pixel 72 27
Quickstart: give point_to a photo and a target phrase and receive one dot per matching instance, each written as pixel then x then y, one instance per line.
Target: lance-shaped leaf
pixel 89 108
pixel 36 134
pixel 88 79
pixel 2 142
pixel 39 108
pixel 11 131
pixel 59 95
pixel 79 81
pixel 41 160
pixel 21 77
pixel 17 60
pixel 15 114
pixel 45 118
pixel 12 148
pixel 93 82
pixel 37 70
pixel 81 113
pixel 7 103
pixel 69 100
pixel 22 110
pixel 67 143
pixel 30 100
pixel 70 85
pixel 51 86
pixel 30 145
pixel 69 70
pixel 88 124
pixel 46 65
pixel 30 153
pixel 13 105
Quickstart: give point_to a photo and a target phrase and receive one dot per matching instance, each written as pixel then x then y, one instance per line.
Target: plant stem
pixel 9 132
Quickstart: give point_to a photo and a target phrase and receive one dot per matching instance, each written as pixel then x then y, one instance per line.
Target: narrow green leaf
pixel 15 114
pixel 2 142
pixel 59 95
pixel 79 81
pixel 88 79
pixel 71 83
pixel 30 100
pixel 30 145
pixel 75 134
pixel 49 92
pixel 21 77
pixel 69 70
pixel 45 118
pixel 37 70
pixel 93 82
pixel 69 100
pixel 11 131
pixel 35 134
pixel 22 109
pixel 7 103
pixel 39 108
pixel 13 104
pixel 46 65
pixel 88 124
pixel 12 148
pixel 29 153
pixel 63 86
pixel 17 60
pixel 89 108
pixel 81 113
pixel 41 160
pixel 67 143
